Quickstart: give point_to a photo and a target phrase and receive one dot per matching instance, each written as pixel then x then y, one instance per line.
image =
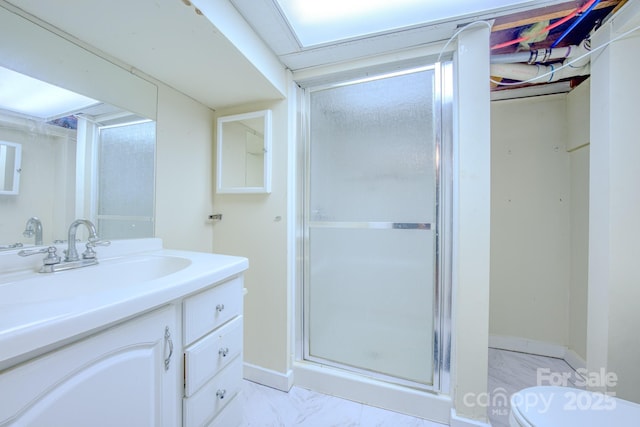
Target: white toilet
pixel 552 406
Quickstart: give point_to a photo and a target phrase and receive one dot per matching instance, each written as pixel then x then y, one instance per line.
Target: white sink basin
pixel 110 275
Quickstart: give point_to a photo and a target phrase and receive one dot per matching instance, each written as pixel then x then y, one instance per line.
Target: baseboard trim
pixel 574 360
pixel 268 377
pixel 458 421
pixel 524 345
pixel 540 348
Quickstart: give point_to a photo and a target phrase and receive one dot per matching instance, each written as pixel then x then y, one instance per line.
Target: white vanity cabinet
pixel 212 333
pixel 122 376
pixel 149 337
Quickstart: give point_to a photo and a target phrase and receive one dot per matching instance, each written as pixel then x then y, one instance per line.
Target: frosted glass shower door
pixel 371 228
pixel 126 180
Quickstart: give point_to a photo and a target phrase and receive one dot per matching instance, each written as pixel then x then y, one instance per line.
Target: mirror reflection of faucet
pixel 11 246
pixel 34 228
pixel 52 262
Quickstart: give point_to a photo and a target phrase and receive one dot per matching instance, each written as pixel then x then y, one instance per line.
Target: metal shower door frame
pixel 443 132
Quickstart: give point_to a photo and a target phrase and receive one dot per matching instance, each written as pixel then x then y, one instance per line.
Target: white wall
pixel 540 212
pixel 255 226
pixel 579 252
pixel 184 171
pixel 613 341
pixel 472 223
pixel 530 229
pixel 578 139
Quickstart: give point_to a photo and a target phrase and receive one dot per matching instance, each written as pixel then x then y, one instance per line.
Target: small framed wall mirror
pixel 10 164
pixel 244 153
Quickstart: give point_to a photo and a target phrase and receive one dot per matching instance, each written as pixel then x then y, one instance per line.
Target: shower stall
pixel 375 287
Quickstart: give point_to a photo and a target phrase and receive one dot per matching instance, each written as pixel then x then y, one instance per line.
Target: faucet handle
pixel 89 253
pixel 29 252
pixel 51 258
pixel 98 242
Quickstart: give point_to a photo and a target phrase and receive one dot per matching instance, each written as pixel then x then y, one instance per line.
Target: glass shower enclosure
pixel 374 279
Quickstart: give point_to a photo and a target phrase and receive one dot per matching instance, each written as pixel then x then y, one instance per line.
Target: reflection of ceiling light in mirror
pixel 316 22
pixel 32 97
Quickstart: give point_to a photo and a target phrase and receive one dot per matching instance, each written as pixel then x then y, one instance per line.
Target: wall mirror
pixel 244 153
pixel 90 154
pixel 95 161
pixel 10 160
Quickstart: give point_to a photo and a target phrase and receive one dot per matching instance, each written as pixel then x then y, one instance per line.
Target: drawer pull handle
pixel 219 308
pixel 224 351
pixel 220 394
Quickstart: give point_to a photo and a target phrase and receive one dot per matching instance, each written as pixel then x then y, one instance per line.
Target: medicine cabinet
pixel 244 153
pixel 10 160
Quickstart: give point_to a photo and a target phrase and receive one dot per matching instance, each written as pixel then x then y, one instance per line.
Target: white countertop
pixel 40 311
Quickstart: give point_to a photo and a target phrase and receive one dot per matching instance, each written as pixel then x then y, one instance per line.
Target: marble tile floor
pixel 508 372
pixel 268 407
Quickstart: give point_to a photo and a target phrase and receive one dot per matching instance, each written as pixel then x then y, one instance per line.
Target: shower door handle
pixel 372 225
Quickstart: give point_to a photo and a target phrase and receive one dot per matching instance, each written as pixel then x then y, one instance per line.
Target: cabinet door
pixel 115 378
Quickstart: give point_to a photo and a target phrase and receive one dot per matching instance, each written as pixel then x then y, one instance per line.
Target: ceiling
pixel 317 23
pixel 270 23
pixel 173 41
pixel 521 18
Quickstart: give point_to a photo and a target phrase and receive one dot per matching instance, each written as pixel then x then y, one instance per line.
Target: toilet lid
pixel 548 406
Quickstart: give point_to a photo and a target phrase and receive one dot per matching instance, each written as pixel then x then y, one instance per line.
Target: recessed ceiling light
pixel 317 22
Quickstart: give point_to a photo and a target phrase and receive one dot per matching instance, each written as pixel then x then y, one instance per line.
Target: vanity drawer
pixel 206 357
pixel 232 414
pixel 209 309
pixel 210 399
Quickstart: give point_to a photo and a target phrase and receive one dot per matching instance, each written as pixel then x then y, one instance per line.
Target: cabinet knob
pixel 220 394
pixel 223 351
pixel 219 308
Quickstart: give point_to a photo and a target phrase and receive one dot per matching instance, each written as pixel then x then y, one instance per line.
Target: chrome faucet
pixel 53 263
pixel 71 254
pixel 34 227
